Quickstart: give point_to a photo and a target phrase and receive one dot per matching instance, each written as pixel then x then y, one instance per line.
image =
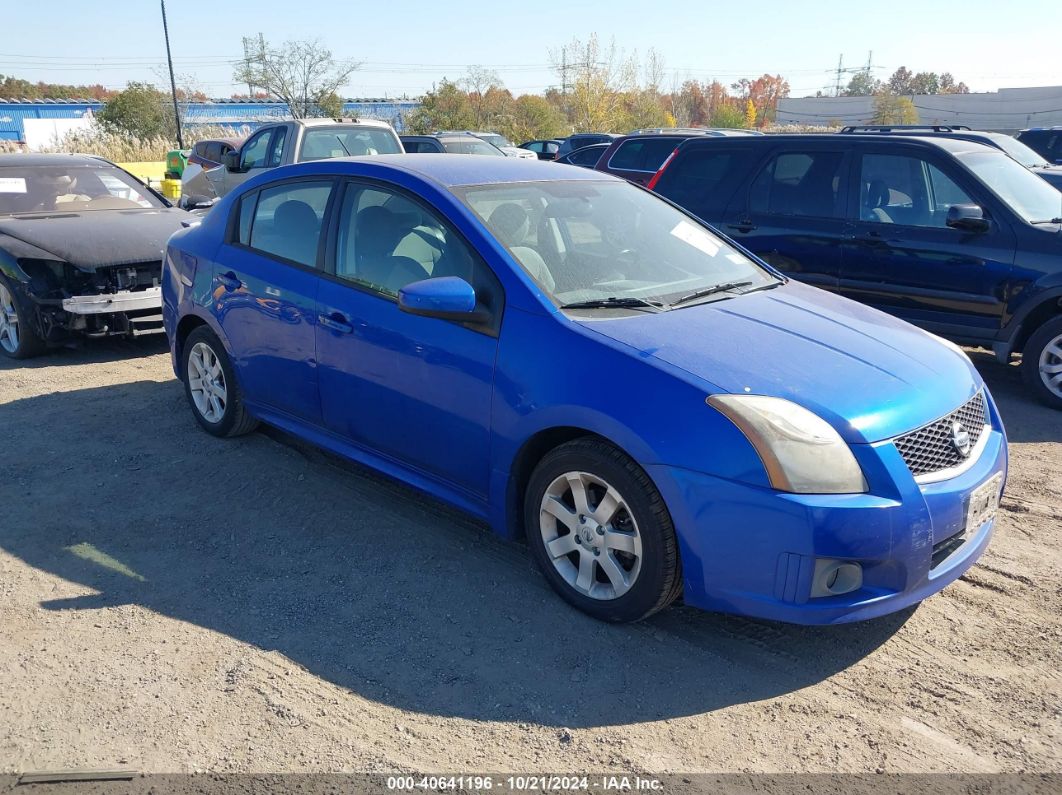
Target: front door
pixel 265 295
pixel 414 389
pixel 903 258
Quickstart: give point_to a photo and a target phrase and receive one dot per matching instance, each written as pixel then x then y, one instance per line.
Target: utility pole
pixel 840 69
pixel 173 82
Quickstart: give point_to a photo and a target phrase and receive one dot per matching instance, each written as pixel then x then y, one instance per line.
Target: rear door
pixel 902 257
pixel 265 294
pixel 792 214
pixel 638 159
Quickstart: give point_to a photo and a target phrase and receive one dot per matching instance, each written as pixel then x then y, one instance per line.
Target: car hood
pixel 98 238
pixel 868 374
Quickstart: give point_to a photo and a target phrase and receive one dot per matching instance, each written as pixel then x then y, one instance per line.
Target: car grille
pixel 930 448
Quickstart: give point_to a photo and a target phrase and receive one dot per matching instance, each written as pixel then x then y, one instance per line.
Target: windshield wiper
pixel 1048 221
pixel 620 303
pixel 718 288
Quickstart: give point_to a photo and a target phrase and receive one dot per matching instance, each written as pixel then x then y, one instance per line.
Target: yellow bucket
pixel 171 188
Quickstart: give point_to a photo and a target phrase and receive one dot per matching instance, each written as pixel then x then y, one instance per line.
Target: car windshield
pixel 593 241
pixel 34 189
pixel 496 140
pixel 1020 152
pixel 1031 197
pixel 471 146
pixel 327 142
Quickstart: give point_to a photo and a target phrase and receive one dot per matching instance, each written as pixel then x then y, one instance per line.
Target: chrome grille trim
pixel 929 452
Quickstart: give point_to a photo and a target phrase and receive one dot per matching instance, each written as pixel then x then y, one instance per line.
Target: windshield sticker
pixel 736 258
pixel 12 184
pixel 696 237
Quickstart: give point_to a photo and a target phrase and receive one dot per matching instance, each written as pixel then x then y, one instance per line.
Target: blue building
pixel 232 113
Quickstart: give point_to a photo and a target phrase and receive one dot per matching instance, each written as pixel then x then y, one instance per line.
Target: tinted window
pixel 703 180
pixel 212 152
pixel 386 241
pixel 535 146
pixel 906 189
pixel 799 183
pixel 287 220
pixel 587 156
pixel 247 203
pixel 256 152
pixel 642 154
pixel 551 147
pixel 200 149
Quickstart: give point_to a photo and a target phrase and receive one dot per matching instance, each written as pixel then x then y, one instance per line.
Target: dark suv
pixel 637 156
pixel 949 234
pixel 1028 157
pixel 1045 140
pixel 579 140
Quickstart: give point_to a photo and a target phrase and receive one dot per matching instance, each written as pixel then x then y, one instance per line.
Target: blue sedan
pixel 587 366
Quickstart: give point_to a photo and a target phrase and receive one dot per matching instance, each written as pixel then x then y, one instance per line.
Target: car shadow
pixel 357 578
pixel 91 351
pixel 1025 418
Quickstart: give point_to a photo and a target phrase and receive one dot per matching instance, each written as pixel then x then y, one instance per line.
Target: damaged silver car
pixel 81 245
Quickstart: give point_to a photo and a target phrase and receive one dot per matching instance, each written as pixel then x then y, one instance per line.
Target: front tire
pixel 18 338
pixel 601 533
pixel 1041 363
pixel 211 388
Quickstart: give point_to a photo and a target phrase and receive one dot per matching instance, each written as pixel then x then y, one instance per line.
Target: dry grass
pixel 120 148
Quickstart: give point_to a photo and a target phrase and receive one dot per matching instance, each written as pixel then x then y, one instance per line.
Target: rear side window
pixel 703 180
pixel 642 154
pixel 287 220
pixel 799 183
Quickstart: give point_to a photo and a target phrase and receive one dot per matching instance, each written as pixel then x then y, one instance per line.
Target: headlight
pixel 801 452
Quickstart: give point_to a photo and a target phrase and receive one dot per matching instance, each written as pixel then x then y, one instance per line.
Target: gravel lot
pixel 172 603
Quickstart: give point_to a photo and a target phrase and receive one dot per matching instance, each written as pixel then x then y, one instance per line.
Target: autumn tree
pixel 594 78
pixel 139 111
pixel 750 113
pixel 892 109
pixel 445 107
pixel 301 74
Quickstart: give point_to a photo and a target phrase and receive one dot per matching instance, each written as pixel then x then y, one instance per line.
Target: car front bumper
pixel 109 303
pixel 753 551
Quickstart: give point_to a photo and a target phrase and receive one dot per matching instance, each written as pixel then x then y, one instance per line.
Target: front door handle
pixel 742 226
pixel 230 281
pixel 336 322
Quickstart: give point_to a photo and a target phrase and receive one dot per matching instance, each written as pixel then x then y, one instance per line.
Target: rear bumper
pixel 753 551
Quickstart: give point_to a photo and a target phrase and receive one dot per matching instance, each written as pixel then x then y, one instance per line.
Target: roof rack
pixel 887 128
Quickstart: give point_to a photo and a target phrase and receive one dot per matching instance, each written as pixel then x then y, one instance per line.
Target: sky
pixel 988 45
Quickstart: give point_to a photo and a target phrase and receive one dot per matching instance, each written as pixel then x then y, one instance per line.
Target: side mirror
pixel 232 160
pixel 447 297
pixel 968 217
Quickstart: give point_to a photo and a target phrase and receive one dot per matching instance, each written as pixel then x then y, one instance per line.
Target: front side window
pixel 287 220
pixel 256 152
pixel 908 190
pixel 535 146
pixel 587 240
pixel 323 143
pixel 386 241
pixel 642 154
pixel 799 183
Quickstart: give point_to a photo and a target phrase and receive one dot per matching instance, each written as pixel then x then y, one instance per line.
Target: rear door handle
pixel 336 322
pixel 230 281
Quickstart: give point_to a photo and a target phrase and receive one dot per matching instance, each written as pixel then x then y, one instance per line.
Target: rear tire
pixel 600 532
pixel 1041 363
pixel 211 387
pixel 18 336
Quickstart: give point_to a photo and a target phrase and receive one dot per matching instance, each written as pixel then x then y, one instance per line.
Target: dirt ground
pixel 171 602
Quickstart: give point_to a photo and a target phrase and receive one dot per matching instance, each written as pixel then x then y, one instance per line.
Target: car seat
pixel 378 232
pixel 511 225
pixel 875 198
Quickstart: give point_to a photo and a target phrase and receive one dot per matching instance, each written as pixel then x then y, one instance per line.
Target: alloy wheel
pixel 8 320
pixel 1051 366
pixel 590 535
pixel 206 382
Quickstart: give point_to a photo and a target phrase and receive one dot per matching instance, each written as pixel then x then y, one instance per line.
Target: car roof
pixel 341 122
pixel 52 159
pixel 953 145
pixel 453 171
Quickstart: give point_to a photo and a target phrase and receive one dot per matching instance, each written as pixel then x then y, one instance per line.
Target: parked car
pixel 951 235
pixel 1045 140
pixel 205 155
pixel 81 245
pixel 543 149
pixel 579 140
pixel 499 141
pixel 1029 158
pixel 449 143
pixel 637 156
pixel 572 359
pixel 301 140
pixel 586 157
